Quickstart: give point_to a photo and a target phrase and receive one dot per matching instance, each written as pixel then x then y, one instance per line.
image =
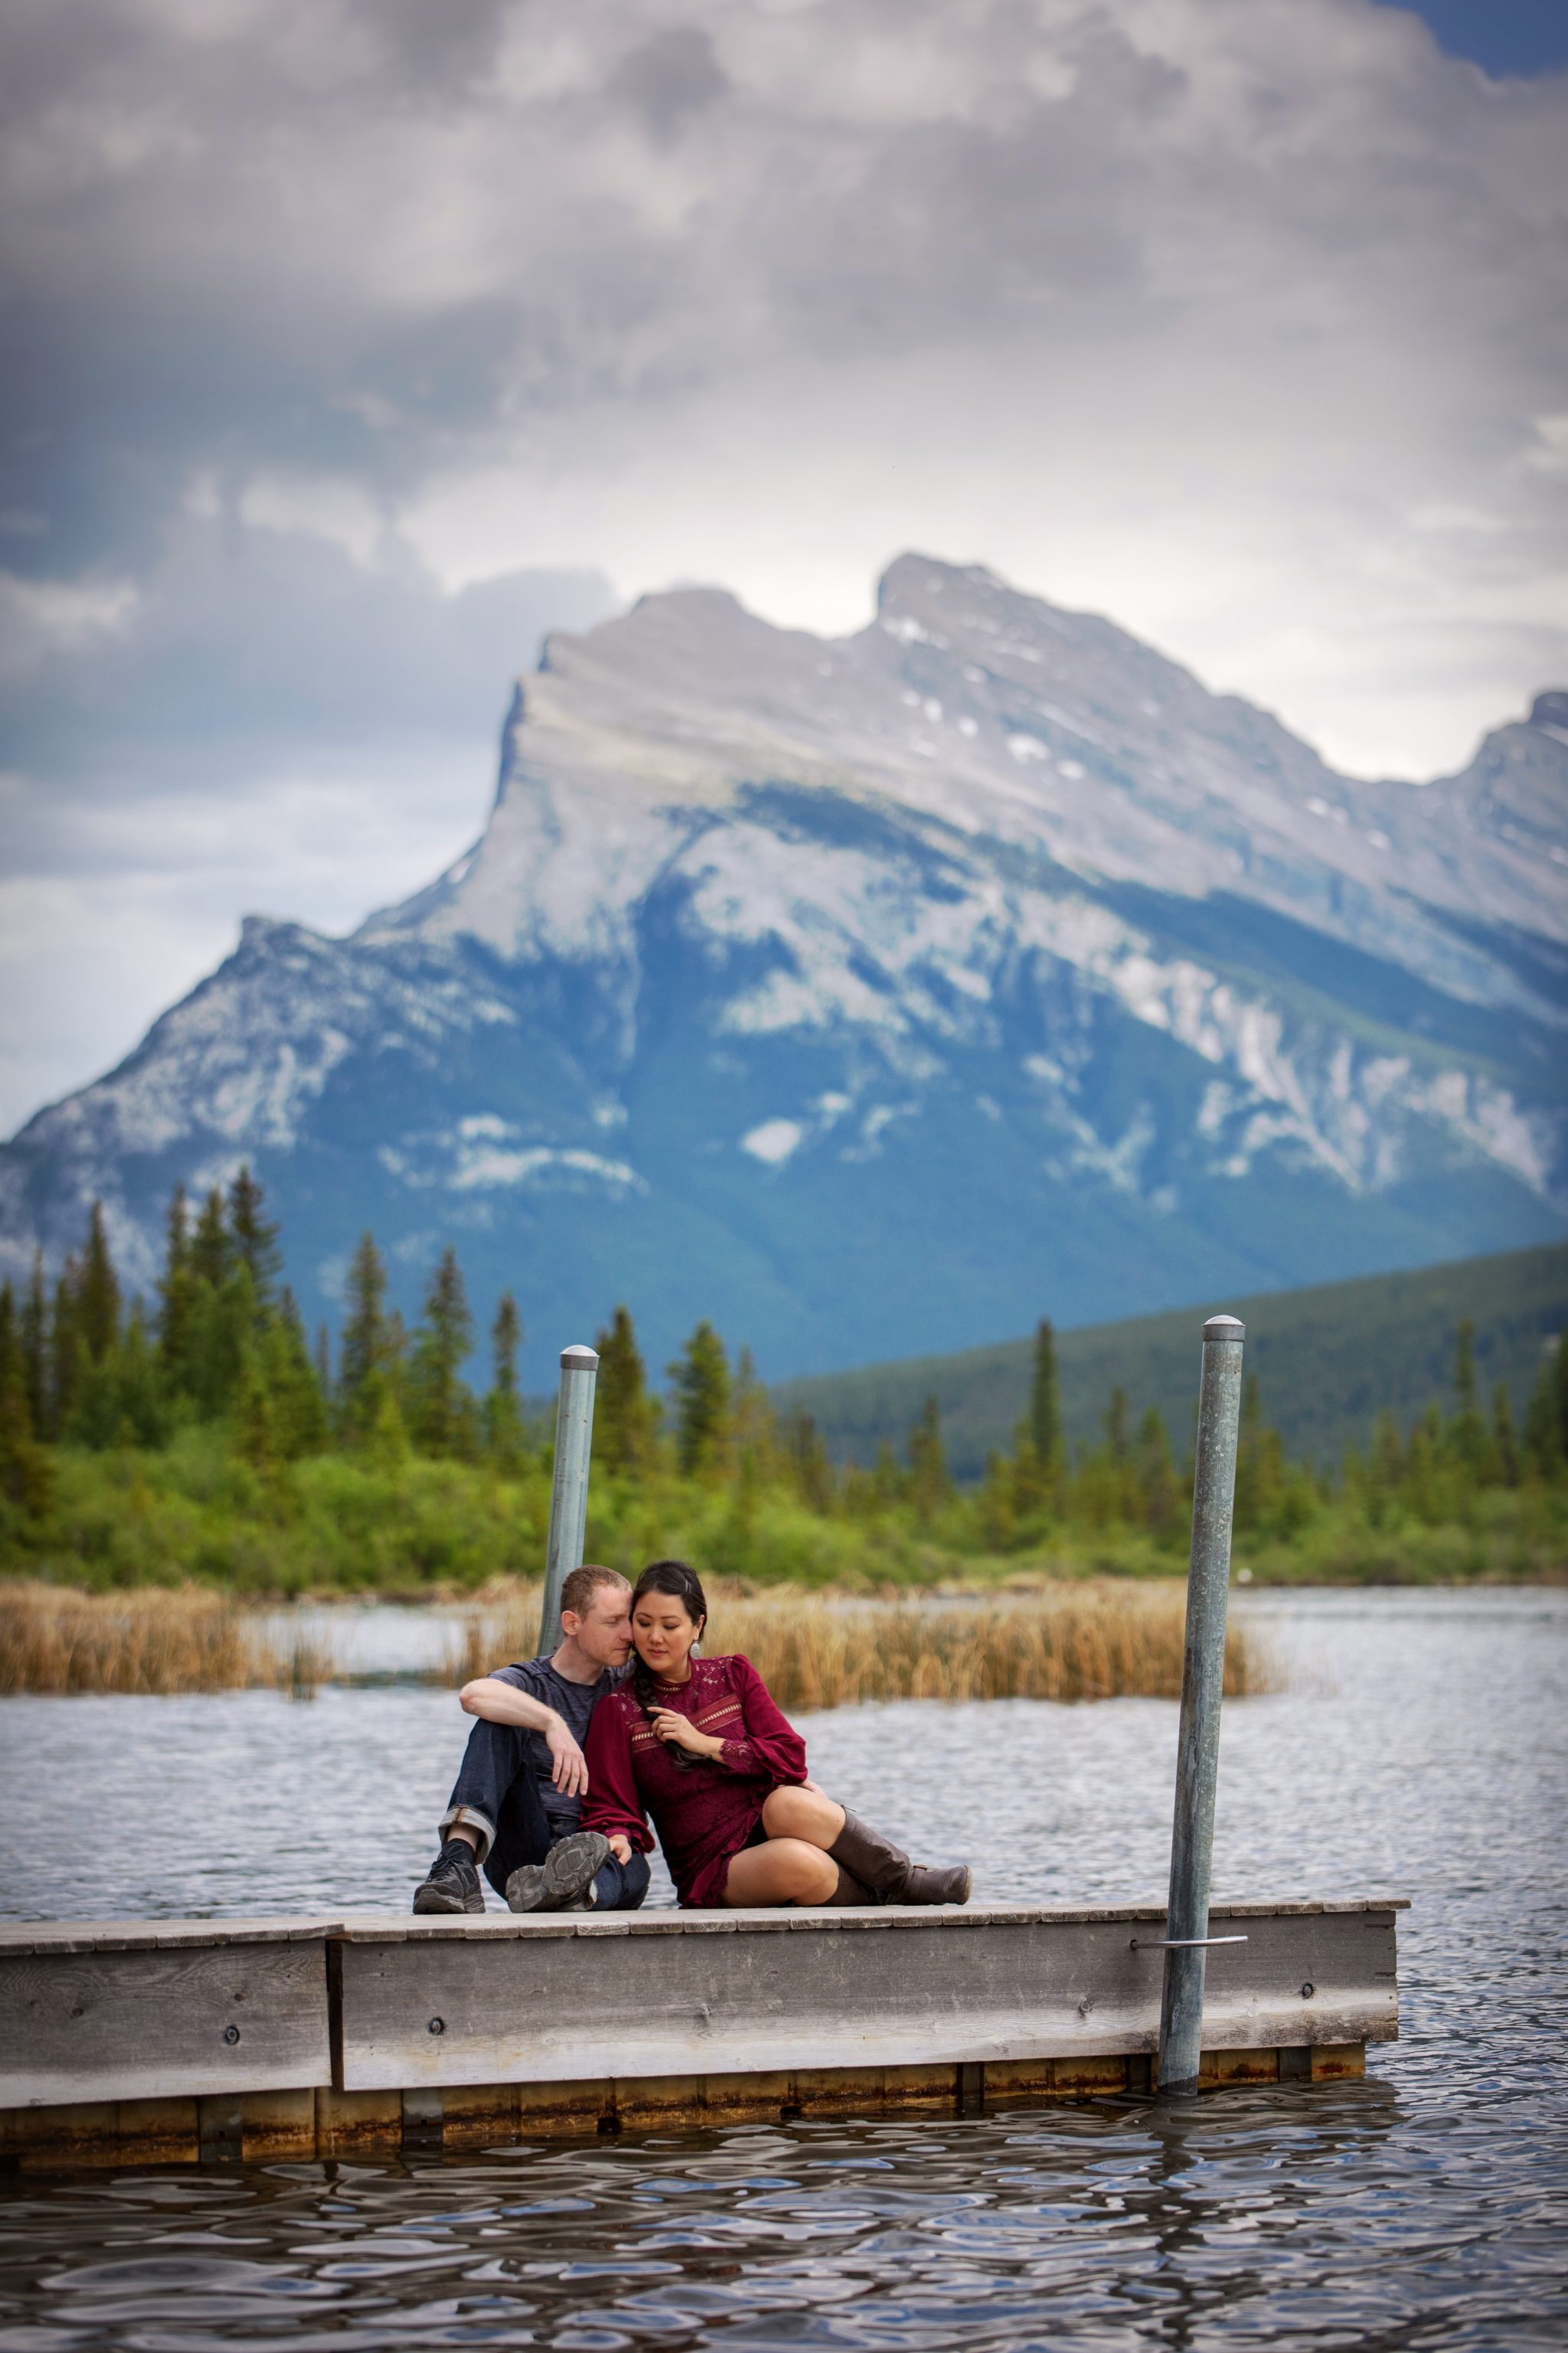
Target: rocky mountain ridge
pixel 880 992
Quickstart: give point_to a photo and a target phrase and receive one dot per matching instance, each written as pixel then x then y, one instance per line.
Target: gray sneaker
pixel 560 1883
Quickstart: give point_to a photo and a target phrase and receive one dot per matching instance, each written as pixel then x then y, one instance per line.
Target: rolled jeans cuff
pixel 471 1819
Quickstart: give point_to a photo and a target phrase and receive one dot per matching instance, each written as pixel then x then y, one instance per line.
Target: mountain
pixel 874 994
pixel 1328 1360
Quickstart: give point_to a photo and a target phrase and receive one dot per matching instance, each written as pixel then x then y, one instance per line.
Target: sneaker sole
pixel 571 1868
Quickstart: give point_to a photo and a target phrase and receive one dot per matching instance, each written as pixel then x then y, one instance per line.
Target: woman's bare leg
pixel 782 1871
pixel 808 1814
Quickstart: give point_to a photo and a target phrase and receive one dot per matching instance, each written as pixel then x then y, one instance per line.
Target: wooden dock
pixel 176 2041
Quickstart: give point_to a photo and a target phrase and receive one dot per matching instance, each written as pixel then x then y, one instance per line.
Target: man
pixel 517 1801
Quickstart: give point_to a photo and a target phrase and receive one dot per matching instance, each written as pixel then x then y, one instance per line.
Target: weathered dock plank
pixel 179 2041
pixel 118 2021
pixel 765 1992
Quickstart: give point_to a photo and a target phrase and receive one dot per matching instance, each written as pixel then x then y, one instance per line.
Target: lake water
pixel 1421 1745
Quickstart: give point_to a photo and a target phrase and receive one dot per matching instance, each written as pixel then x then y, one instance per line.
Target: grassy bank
pixel 194 1512
pixel 1091 1642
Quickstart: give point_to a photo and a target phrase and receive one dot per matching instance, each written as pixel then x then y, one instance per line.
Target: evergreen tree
pixel 33 1335
pixel 211 1252
pixel 1542 1434
pixel 701 1378
pixel 930 1486
pixel 504 1436
pixel 98 1292
pixel 1505 1445
pixel 365 1346
pixel 1560 1386
pixel 624 1424
pixel 26 1474
pixel 1157 1480
pixel 298 1401
pixel 177 1295
pixel 1045 1401
pixel 810 1468
pixel 254 1239
pixel 1468 1432
pixel 67 1349
pixel 442 1408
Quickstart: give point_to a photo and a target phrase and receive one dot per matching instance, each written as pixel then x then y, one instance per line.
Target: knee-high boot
pixel 888 1872
pixel 849 1890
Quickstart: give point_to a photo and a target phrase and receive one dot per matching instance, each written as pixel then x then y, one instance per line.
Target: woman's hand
pixel 678 1731
pixel 620 1846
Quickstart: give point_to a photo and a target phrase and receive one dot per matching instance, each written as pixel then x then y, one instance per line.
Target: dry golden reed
pixel 54 1640
pixel 1086 1641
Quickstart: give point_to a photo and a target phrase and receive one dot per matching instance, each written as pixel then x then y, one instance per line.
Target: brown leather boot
pixel 849 1890
pixel 888 1872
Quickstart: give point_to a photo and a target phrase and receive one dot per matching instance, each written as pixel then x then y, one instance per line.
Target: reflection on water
pixel 1423 1744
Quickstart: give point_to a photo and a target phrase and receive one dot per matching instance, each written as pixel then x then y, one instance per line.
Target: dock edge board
pixel 217 2039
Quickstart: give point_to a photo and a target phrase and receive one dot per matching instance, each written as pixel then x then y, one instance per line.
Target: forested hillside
pixel 1327 1360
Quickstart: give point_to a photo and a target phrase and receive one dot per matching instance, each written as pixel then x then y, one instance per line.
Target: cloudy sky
pixel 349 344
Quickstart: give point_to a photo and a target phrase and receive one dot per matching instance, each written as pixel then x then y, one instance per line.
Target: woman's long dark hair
pixel 681 1581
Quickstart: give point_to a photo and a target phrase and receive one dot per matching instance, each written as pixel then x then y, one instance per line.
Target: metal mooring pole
pixel 1203 1679
pixel 569 1487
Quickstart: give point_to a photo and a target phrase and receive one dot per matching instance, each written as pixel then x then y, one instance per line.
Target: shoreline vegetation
pixel 202 1440
pixel 1094 1640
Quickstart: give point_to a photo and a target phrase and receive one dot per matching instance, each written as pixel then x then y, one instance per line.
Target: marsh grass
pixel 154 1641
pixel 1083 1640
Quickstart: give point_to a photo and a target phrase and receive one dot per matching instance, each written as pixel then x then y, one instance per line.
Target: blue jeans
pixel 497 1793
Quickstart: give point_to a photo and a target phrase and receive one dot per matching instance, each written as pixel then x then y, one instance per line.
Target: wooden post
pixel 569 1486
pixel 1203 1681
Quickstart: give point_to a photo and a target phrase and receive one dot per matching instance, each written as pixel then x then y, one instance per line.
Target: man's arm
pixel 502 1703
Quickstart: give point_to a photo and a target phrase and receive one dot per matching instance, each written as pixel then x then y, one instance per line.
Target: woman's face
pixel 664 1632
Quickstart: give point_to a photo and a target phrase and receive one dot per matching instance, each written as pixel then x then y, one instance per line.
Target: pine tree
pixel 34 1333
pixel 1045 1401
pixel 1505 1445
pixel 1542 1434
pixel 98 1292
pixel 26 1474
pixel 810 1468
pixel 1157 1475
pixel 623 1411
pixel 504 1436
pixel 366 1346
pixel 299 1405
pixel 212 1254
pixel 1467 1434
pixel 930 1484
pixel 254 1239
pixel 177 1295
pixel 442 1408
pixel 701 1378
pixel 67 1349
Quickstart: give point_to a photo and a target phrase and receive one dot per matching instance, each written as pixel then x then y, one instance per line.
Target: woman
pixel 698 1745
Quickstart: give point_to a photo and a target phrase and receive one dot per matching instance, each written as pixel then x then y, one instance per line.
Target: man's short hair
pixel 579 1585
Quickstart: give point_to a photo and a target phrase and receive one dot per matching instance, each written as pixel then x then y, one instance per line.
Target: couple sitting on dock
pixel 572 1758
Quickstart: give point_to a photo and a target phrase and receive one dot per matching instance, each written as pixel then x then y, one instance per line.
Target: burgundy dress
pixel 704 1812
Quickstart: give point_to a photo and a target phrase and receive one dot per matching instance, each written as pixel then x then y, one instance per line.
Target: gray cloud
pixel 1248 323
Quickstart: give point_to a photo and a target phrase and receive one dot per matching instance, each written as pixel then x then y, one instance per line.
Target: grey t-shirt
pixel 574 1702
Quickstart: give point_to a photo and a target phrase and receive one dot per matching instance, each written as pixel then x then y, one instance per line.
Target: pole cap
pixel 1225 1327
pixel 579 1359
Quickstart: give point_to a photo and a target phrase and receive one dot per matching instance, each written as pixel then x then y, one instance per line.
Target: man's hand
pixel 620 1846
pixel 569 1768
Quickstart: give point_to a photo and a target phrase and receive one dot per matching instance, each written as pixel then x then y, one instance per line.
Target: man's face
pixel 605 1630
